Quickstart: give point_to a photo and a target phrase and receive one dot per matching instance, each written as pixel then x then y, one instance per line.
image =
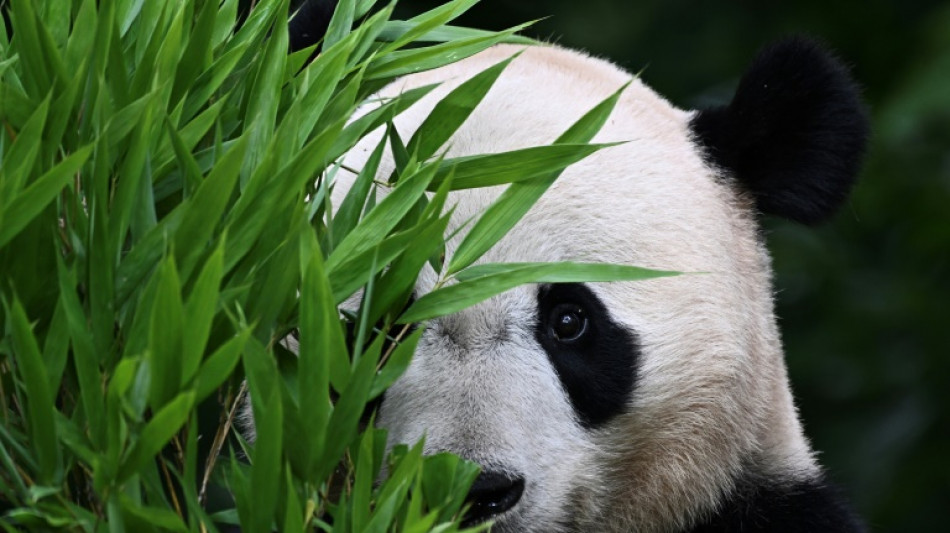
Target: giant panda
pixel 650 406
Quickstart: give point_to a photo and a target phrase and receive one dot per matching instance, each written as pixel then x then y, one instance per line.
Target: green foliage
pixel 165 225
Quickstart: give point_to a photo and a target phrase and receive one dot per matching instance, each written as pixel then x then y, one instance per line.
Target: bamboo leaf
pixel 349 211
pixel 31 201
pixel 482 282
pixel 199 312
pixel 323 354
pixel 20 157
pixel 384 217
pixel 165 336
pixel 450 113
pixel 156 433
pixel 404 62
pixel 422 24
pixel 202 213
pixel 340 23
pixel 268 417
pixel 397 364
pixel 219 365
pixel 514 166
pixel 40 409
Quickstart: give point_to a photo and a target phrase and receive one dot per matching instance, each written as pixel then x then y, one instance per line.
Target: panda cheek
pixel 598 372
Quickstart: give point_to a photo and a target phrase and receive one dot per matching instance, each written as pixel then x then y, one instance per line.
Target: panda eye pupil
pixel 568 323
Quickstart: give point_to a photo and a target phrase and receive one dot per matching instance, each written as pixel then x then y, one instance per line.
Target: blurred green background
pixel 862 301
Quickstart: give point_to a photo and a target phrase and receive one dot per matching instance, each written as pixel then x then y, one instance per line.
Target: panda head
pixel 629 406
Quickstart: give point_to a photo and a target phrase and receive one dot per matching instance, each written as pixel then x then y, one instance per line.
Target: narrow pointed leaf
pixel 514 166
pixel 39 397
pixel 481 283
pixel 156 433
pixel 32 200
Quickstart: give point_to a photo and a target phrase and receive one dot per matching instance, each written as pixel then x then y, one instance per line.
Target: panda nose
pixel 492 494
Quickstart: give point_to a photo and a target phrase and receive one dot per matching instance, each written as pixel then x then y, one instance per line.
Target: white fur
pixel 712 394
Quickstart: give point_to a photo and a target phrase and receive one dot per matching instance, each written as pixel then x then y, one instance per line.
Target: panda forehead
pixel 656 174
pixel 651 200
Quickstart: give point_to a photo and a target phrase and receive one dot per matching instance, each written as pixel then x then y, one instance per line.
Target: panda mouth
pixel 492 494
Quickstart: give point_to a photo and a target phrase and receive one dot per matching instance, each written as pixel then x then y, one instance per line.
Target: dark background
pixel 863 300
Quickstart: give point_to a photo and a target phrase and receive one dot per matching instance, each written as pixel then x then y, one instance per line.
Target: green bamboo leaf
pixel 157 517
pixel 268 418
pixel 15 105
pixel 323 353
pixel 452 111
pixel 202 213
pixel 399 280
pixel 396 29
pixel 320 79
pixel 219 365
pixel 367 33
pixel 126 119
pixel 384 217
pixel 165 336
pixel 197 54
pixel 397 364
pixel 85 358
pixel 363 482
pixel 135 174
pixel 400 155
pixel 19 211
pixel 127 12
pixel 199 312
pixel 211 80
pixel 37 67
pixel 188 167
pixel 340 23
pixel 79 45
pixel 352 205
pixel 56 347
pixel 402 472
pixel 356 270
pixel 264 97
pixel 20 158
pixel 40 409
pixel 348 409
pixel 514 166
pixel 275 282
pixel 422 24
pixel 156 434
pixel 518 198
pixel 356 129
pixel 224 23
pixel 404 62
pixel 293 519
pixel 482 282
pixel 65 112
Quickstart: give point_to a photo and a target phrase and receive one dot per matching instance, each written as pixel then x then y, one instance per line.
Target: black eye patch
pixel 594 357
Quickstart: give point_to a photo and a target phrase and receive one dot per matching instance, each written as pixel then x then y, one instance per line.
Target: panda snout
pixel 492 494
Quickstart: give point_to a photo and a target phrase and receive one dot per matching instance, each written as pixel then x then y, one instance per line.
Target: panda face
pixel 533 383
pixel 608 407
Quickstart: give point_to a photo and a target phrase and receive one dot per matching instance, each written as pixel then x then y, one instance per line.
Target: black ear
pixel 310 22
pixel 794 134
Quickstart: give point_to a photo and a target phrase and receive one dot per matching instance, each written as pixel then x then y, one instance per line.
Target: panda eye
pixel 567 323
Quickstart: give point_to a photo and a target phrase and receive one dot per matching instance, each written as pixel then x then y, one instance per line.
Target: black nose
pixel 492 494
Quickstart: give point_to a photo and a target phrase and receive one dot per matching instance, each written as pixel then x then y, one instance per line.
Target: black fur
pixel 599 370
pixel 794 507
pixel 310 23
pixel 794 134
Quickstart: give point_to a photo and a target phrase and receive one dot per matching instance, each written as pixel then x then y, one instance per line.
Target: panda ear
pixel 310 22
pixel 794 134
